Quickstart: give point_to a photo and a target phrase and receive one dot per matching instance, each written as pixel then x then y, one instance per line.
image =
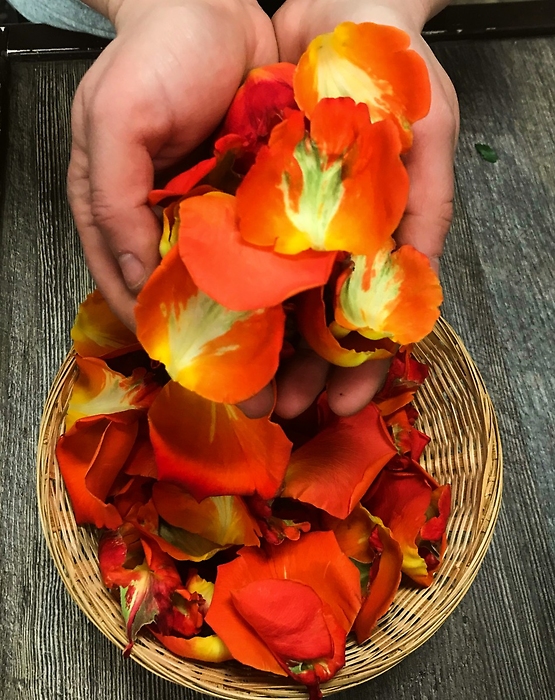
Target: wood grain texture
pixel 499 281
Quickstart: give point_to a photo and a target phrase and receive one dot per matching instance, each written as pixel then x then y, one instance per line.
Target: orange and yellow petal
pixel 393 295
pixel 372 64
pixel 364 538
pixel 213 449
pixel 311 318
pixel 99 391
pixel 224 520
pixel 342 186
pixel 210 648
pixel 334 469
pixel 401 498
pixel 223 355
pixel 97 332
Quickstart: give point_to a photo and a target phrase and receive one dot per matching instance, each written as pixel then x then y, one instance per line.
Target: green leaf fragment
pixel 487 152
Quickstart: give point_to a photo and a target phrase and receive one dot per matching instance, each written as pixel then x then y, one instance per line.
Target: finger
pixel 350 389
pixel 430 166
pixel 299 382
pixel 98 255
pixel 121 176
pixel 260 404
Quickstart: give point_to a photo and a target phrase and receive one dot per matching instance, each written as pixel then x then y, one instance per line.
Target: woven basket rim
pixel 470 532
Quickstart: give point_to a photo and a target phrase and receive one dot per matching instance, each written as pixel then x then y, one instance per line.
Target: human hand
pixel 429 164
pixel 156 92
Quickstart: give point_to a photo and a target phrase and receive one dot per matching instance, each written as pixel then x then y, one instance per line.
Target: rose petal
pixel 301 193
pixel 235 273
pixel 315 560
pixel 97 332
pixel 395 295
pixel 349 453
pixel 214 449
pixel 371 64
pixel 311 317
pixel 224 520
pixel 210 648
pixel 90 456
pixel 223 355
pixel 99 391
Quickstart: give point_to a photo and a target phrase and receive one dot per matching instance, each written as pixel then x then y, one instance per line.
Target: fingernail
pixel 133 271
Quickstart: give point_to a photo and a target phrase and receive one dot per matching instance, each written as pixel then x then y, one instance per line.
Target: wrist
pixel 410 15
pixel 121 12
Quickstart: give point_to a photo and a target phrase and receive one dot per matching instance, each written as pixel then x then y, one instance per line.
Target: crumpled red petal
pixel 261 102
pixel 403 498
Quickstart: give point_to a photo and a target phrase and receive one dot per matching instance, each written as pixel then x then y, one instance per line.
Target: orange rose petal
pixel 353 533
pixel 365 539
pixel 97 332
pixel 184 182
pixel 315 560
pixel 370 63
pixel 395 295
pixel 341 187
pixel 235 273
pixel 214 449
pixel 311 318
pixel 224 520
pixel 349 452
pixel 226 356
pixel 90 456
pixel 179 544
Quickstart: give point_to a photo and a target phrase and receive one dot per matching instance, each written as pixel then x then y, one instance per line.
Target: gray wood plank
pixel 498 275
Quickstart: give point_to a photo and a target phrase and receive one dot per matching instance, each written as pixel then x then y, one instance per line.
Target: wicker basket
pixel 465 451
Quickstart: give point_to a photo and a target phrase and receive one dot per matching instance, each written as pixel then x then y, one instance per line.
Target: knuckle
pixel 104 211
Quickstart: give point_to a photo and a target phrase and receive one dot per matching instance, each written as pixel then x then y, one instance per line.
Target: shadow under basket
pixel 465 451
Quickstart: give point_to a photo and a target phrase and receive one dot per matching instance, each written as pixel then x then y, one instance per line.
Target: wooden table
pixel 499 280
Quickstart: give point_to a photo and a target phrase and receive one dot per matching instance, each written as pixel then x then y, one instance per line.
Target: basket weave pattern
pixel 465 451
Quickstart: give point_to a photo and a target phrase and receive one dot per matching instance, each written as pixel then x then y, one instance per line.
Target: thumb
pixel 429 163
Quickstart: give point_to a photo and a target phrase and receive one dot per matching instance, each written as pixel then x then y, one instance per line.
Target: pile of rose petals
pixel 263 539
